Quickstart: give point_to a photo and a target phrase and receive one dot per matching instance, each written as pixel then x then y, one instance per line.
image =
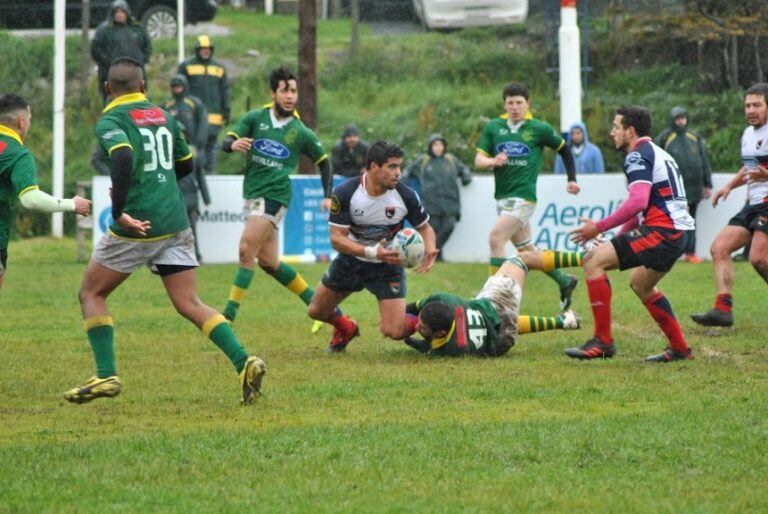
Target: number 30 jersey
pixel 475 328
pixel 131 121
pixel 667 206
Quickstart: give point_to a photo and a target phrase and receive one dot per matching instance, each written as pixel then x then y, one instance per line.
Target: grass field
pixel 379 429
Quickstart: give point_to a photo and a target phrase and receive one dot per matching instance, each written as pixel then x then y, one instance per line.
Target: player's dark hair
pixel 381 151
pixel 10 104
pixel 515 89
pixel 125 76
pixel 637 117
pixel 761 88
pixel 281 73
pixel 438 316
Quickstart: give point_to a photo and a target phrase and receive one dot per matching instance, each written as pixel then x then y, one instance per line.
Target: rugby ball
pixel 410 247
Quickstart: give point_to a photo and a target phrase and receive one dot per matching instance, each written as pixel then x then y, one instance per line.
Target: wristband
pixel 371 251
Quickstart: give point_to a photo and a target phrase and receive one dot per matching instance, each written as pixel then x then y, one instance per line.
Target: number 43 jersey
pixel 475 328
pixel 667 206
pixel 131 121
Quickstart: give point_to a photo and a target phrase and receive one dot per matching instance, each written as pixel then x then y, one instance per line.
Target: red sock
pixel 599 291
pixel 724 302
pixel 661 312
pixel 342 323
pixel 412 322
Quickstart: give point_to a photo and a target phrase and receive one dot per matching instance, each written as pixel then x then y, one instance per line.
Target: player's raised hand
pixel 428 262
pixel 82 206
pixel 573 188
pixel 723 193
pixel 133 225
pixel 387 254
pixel 586 231
pixel 500 159
pixel 243 144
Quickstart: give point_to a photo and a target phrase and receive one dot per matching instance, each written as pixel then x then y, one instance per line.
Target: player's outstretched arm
pixel 430 247
pixel 40 201
pixel 326 178
pixel 570 169
pixel 737 181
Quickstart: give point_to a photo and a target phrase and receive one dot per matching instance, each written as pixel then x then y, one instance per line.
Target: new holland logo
pixel 271 148
pixel 514 148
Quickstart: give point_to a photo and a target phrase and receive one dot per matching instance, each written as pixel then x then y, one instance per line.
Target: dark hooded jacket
pixel 114 40
pixel 689 151
pixel 208 82
pixel 190 112
pixel 345 161
pixel 436 180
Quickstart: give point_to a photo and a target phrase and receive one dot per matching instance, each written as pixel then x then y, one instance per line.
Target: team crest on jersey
pixel 389 211
pixel 633 162
pixel 263 126
pixel 271 148
pixel 335 205
pixel 395 287
pixel 527 136
pixel 291 135
pixel 513 148
pixel 151 116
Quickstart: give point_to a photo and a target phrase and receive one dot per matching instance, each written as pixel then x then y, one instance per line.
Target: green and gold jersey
pixel 524 146
pixel 475 328
pixel 274 154
pixel 17 176
pixel 157 143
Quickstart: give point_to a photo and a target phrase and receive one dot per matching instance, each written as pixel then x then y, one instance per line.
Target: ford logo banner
pixel 272 148
pixel 513 148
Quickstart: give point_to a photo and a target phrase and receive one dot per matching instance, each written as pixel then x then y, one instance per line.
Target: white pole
pixel 570 66
pixel 57 220
pixel 180 28
pixel 269 7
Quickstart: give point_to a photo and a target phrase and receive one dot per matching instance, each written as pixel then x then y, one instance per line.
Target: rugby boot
pixel 250 379
pixel 316 326
pixel 571 321
pixel 714 318
pixel 94 388
pixel 669 355
pixel 592 349
pixel 341 338
pixel 692 258
pixel 566 293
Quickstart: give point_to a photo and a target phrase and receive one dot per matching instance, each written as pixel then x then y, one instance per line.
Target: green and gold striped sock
pixel 495 264
pixel 101 335
pixel 241 283
pixel 218 330
pixel 554 260
pixel 293 281
pixel 528 324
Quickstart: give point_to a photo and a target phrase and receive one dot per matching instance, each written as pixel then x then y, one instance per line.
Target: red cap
pixel 567 3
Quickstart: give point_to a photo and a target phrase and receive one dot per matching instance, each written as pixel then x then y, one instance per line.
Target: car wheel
pixel 159 21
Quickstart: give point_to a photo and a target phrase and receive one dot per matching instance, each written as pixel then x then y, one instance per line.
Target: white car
pixel 454 14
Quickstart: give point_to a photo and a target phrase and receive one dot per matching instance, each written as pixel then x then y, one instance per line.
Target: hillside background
pixel 404 87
